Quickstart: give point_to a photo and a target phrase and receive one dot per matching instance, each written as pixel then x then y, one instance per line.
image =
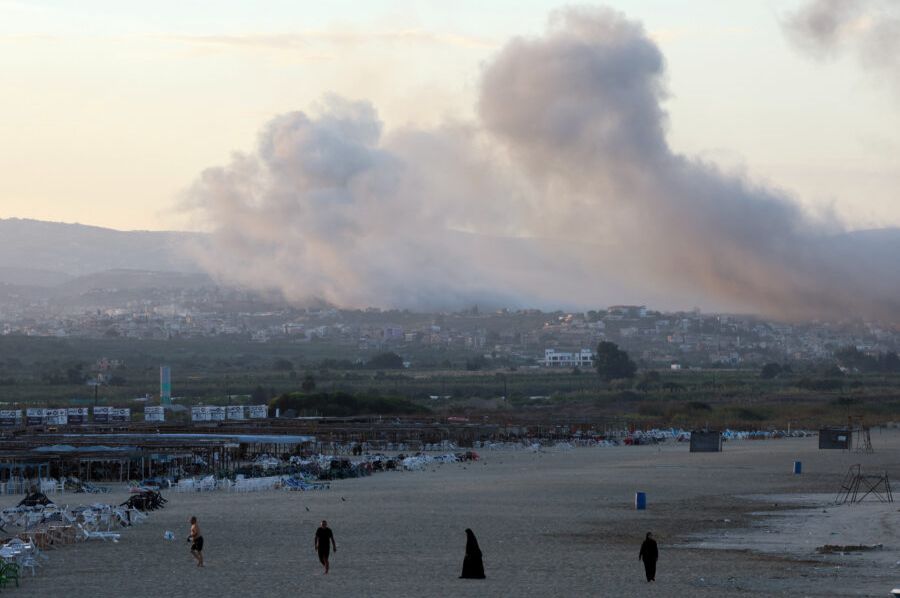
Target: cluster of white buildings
pixel 565 359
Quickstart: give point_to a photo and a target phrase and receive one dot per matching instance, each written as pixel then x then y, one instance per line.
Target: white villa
pixel 561 359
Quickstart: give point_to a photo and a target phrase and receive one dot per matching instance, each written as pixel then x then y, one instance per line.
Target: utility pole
pixel 96 387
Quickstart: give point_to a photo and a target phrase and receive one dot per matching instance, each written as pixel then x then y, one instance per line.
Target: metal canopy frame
pixel 856 487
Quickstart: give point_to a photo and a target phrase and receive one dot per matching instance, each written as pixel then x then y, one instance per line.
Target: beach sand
pixel 555 523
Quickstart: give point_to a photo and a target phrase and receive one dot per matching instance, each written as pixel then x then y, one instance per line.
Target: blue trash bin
pixel 640 500
pixel 798 467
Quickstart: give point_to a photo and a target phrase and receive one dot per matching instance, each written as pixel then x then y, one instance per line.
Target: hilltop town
pixel 504 337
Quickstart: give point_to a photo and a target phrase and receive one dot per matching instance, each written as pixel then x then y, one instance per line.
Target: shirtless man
pixel 196 540
pixel 323 535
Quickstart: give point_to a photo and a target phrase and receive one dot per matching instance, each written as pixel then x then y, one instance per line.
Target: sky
pixel 111 110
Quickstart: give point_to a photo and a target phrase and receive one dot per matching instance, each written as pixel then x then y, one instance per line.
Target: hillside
pixel 37 253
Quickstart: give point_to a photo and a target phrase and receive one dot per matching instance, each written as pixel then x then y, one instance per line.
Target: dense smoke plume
pixel 564 192
pixel 869 28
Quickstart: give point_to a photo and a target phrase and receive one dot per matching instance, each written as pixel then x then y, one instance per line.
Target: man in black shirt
pixel 323 537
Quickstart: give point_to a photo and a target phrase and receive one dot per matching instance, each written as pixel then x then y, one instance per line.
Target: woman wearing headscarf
pixel 473 567
pixel 649 554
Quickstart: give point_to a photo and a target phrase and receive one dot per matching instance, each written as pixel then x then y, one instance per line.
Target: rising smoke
pixel 868 28
pixel 564 192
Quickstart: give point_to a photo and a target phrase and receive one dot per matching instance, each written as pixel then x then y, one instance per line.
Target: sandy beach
pixel 554 523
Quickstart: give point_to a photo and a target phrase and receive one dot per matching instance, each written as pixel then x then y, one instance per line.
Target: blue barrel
pixel 798 467
pixel 640 500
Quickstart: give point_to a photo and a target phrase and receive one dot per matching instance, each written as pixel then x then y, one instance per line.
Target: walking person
pixel 196 540
pixel 649 554
pixel 324 544
pixel 473 567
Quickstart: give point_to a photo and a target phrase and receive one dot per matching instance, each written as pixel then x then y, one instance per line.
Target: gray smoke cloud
pixel 326 210
pixel 564 192
pixel 868 28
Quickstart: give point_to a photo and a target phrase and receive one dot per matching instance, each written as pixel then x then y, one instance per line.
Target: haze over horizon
pixel 565 163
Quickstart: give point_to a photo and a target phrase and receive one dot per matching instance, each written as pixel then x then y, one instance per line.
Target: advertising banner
pixel 10 417
pixel 34 416
pixel 120 416
pixel 258 411
pixel 235 412
pixel 154 414
pixel 77 415
pixel 102 414
pixel 56 417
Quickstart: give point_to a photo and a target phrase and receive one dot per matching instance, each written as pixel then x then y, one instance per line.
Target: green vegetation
pixel 613 363
pixel 55 372
pixel 385 361
pixel 771 370
pixel 853 358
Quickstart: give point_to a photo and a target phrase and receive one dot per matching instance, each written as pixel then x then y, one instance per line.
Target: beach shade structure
pixel 863 440
pixel 640 501
pixel 706 441
pixel 34 499
pixel 856 487
pixel 798 467
pixel 835 438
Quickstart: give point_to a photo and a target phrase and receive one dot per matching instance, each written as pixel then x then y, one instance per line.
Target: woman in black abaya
pixel 649 554
pixel 473 568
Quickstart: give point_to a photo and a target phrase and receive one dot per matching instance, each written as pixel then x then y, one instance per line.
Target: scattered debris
pixel 848 549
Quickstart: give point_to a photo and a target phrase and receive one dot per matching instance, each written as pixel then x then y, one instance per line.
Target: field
pixel 54 372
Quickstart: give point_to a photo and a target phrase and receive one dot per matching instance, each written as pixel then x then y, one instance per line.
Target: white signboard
pixel 102 415
pixel 235 412
pixel 199 414
pixel 120 415
pixel 154 414
pixel 258 411
pixel 10 417
pixel 216 414
pixel 34 416
pixel 56 417
pixel 77 415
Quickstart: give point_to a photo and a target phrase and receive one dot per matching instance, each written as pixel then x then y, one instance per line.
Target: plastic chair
pixel 9 572
pixel 89 535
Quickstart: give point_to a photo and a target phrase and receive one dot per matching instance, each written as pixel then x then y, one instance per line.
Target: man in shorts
pixel 324 535
pixel 196 540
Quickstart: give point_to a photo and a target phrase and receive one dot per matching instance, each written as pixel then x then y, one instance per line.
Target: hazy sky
pixel 111 109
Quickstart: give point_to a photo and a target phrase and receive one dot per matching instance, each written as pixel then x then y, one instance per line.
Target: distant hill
pixel 31 277
pixel 38 253
pixel 132 280
pixel 73 262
